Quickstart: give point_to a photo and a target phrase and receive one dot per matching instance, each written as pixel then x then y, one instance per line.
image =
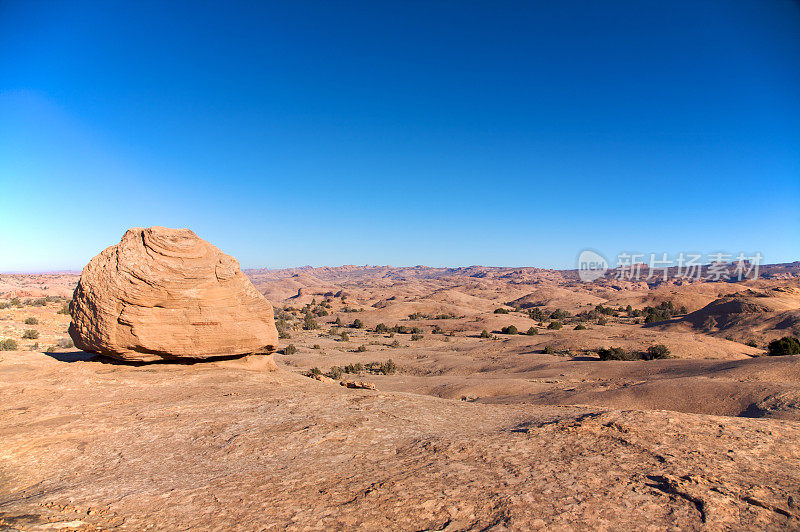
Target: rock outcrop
pixel 167 294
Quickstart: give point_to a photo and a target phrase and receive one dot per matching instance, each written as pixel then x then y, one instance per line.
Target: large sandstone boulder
pixel 167 294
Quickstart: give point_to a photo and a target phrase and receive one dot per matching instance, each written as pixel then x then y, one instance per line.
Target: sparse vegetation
pixel 555 325
pixel 501 311
pixel 532 331
pixel 381 328
pixel 361 349
pixel 549 350
pixel 788 345
pixel 64 309
pixel 580 327
pixel 657 351
pixel 415 337
pixel 30 334
pixel 289 349
pixel 31 321
pixel 8 345
pixel 485 334
pixel 357 324
pixel 509 330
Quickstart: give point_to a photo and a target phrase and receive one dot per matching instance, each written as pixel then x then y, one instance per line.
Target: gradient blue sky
pixel 438 133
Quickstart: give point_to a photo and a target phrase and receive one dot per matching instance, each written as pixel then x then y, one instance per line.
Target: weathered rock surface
pixel 167 294
pixel 93 446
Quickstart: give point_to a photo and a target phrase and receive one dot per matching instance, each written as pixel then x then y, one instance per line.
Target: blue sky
pixel 438 133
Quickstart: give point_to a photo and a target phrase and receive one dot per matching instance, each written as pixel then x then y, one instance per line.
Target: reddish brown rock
pixel 167 294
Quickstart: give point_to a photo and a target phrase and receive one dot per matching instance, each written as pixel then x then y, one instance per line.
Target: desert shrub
pixel 30 334
pixel 381 328
pixel 629 309
pixel 284 335
pixel 400 329
pixel 316 346
pixel 309 323
pixel 416 316
pixel 509 330
pixel 416 330
pixel 289 349
pixel 31 321
pixel 554 325
pixel 657 351
pixel 64 309
pixel 65 343
pixel 437 330
pixel 536 314
pixel 395 344
pixel 788 345
pixel 559 314
pixel 338 321
pixel 315 371
pixel 8 345
pixel 548 350
pixel 357 324
pixel 532 331
pixel 335 372
pixel 485 334
pixel 361 349
pixel 417 337
pixel 751 343
pixel 580 327
pixel 602 321
pixel 345 337
pixel 683 310
pixel 614 353
pixel 39 302
pixel 501 311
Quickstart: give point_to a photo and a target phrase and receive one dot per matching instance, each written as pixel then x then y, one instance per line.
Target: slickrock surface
pixel 226 446
pixel 164 294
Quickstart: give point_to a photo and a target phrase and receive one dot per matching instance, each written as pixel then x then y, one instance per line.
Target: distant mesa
pixel 166 294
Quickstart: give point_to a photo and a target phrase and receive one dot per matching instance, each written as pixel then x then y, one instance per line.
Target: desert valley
pixel 417 397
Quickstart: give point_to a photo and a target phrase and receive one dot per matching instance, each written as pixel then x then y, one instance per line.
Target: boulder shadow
pixel 83 356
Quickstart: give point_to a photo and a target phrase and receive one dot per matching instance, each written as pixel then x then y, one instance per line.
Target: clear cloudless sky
pixel 411 132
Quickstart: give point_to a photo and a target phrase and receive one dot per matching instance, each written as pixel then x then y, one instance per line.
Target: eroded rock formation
pixel 168 294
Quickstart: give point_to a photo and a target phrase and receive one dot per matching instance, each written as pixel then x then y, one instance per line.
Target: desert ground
pixel 401 398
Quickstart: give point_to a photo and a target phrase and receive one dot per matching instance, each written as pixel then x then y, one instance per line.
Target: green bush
pixel 357 324
pixel 30 334
pixel 8 345
pixel 532 331
pixel 788 345
pixel 289 349
pixel 309 323
pixel 417 337
pixel 31 321
pixel 501 311
pixel 485 334
pixel 554 325
pixel 657 351
pixel 345 337
pixel 509 330
pixel 548 350
pixel 751 343
pixel 64 309
pixel 580 327
pixel 395 344
pixel 381 328
pixel 614 353
pixel 316 346
pixel 361 349
pixel 602 321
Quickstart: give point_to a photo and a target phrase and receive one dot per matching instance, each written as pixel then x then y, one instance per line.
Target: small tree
pixel 357 324
pixel 788 345
pixel 509 330
pixel 485 334
pixel 381 328
pixel 555 325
